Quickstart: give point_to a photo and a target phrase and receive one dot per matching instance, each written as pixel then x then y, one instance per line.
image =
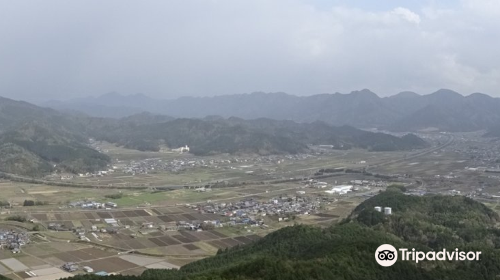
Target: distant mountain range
pixel 35 140
pixel 110 105
pixel 443 110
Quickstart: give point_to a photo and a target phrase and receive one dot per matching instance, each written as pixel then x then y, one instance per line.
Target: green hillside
pixel 35 141
pixel 17 160
pixel 432 221
pixel 346 250
pixel 36 148
pixel 261 136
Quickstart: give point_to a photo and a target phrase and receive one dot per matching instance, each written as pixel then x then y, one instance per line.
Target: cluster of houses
pixel 250 211
pixel 57 227
pixel 194 225
pixel 70 267
pixel 98 173
pixel 198 225
pixel 111 227
pixel 92 205
pixel 13 240
pixel 81 232
pixel 368 183
pixel 68 177
pixel 156 164
pixel 483 155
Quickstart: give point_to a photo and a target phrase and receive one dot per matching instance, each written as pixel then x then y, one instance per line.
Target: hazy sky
pixel 65 49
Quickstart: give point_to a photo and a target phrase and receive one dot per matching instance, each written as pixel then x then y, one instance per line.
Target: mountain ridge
pixel 405 111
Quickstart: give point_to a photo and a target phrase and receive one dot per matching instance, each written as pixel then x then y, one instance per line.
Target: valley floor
pixel 160 197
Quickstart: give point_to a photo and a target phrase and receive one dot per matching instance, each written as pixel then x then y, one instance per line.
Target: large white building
pixel 181 149
pixel 341 189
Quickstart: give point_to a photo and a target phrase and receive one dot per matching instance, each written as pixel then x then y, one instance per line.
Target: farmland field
pixel 162 198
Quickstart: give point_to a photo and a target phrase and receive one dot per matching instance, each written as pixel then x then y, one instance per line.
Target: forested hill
pixel 346 251
pixel 432 221
pixel 261 136
pixel 35 141
pixel 36 147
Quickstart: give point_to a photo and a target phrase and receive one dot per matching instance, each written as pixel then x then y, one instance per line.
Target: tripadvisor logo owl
pixel 387 255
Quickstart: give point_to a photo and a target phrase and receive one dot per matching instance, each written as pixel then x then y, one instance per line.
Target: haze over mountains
pixel 407 111
pixel 35 141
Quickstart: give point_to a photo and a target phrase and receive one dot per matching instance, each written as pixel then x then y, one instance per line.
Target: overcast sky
pixel 66 49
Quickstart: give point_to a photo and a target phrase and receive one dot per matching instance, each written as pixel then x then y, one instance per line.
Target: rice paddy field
pixel 230 168
pixel 111 252
pixel 135 247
